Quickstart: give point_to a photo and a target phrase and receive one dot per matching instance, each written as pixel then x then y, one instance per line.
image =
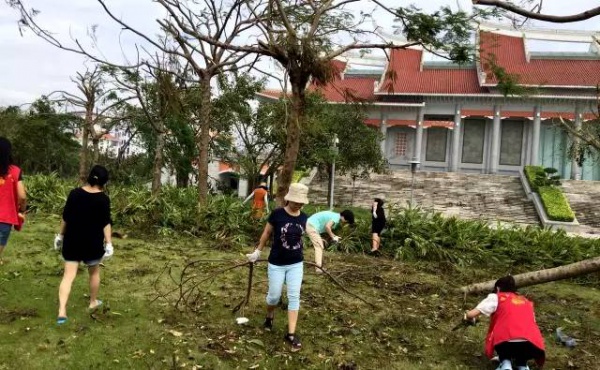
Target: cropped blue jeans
pixel 291 275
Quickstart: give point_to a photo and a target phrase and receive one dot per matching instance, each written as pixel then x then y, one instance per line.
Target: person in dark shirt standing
pixel 85 236
pixel 287 225
pixel 377 223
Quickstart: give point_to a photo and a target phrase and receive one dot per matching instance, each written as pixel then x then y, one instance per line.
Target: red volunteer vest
pixel 9 201
pixel 514 319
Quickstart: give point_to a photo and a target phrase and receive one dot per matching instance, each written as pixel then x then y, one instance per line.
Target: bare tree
pixel 188 24
pixel 99 104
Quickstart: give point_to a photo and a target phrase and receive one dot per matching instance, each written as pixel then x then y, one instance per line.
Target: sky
pixel 30 67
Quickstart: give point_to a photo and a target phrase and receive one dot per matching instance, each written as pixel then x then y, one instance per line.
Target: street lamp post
pixel 413 169
pixel 332 174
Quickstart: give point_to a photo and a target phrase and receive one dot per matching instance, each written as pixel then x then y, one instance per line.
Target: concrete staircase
pixel 470 196
pixel 584 197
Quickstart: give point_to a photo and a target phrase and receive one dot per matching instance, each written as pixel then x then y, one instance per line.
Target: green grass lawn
pixel 409 328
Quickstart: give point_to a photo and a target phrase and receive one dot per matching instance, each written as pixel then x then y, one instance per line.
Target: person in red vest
pixel 13 198
pixel 513 332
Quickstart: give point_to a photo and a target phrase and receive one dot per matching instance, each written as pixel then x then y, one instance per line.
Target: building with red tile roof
pixel 450 117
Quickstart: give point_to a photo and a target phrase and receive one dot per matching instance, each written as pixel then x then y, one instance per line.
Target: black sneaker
pixel 268 325
pixel 294 342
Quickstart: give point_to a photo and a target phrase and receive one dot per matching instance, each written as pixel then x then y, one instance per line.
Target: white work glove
pixel 254 256
pixel 58 242
pixel 108 250
pixel 336 239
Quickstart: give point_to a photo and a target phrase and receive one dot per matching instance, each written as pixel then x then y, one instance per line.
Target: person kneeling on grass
pixel 325 222
pixel 287 225
pixel 85 236
pixel 513 332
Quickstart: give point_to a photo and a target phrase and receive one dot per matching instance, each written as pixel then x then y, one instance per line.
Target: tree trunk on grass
pixel 542 276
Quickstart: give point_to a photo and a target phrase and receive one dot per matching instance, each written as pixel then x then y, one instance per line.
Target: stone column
pixel 535 139
pixel 455 155
pixel 383 129
pixel 419 135
pixel 575 169
pixel 495 152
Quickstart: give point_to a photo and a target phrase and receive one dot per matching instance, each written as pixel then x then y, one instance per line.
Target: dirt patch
pixel 9 315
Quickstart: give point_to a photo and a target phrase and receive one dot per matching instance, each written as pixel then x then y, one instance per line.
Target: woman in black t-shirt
pixel 287 225
pixel 85 236
pixel 377 223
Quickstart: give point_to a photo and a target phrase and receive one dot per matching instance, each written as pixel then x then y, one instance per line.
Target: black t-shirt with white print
pixel 287 237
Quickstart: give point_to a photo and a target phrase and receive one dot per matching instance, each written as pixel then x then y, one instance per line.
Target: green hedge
pixel 556 204
pixel 531 173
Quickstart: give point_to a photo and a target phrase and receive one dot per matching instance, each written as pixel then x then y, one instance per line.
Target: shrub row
pixel 553 199
pixel 224 220
pixel 532 173
pixel 556 204
pixel 412 234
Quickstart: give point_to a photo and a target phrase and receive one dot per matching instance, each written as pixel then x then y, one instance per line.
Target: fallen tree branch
pixel 542 276
pixel 186 294
pixel 246 299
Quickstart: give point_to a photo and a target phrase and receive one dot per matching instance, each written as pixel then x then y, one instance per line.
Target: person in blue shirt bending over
pixel 325 222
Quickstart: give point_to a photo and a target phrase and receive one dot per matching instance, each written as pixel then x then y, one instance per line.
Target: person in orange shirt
pixel 260 200
pixel 513 332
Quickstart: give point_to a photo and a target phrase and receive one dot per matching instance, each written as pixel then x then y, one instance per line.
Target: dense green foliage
pixel 412 234
pixel 556 204
pixel 223 220
pixel 42 138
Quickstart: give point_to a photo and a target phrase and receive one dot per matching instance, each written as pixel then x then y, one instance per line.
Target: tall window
pixel 472 149
pixel 436 144
pixel 511 142
pixel 401 145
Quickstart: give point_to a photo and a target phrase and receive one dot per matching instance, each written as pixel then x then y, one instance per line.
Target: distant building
pixel 451 117
pixel 111 142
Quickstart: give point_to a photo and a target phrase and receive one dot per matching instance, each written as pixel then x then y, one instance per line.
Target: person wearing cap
pixel 513 332
pixel 260 200
pixel 85 236
pixel 325 222
pixel 286 225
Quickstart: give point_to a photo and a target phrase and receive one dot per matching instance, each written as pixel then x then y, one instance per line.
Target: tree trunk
pixel 96 151
pixel 83 154
pixel 158 162
pixel 329 182
pixel 183 178
pixel 542 276
pixel 292 145
pixel 203 140
pixel 271 182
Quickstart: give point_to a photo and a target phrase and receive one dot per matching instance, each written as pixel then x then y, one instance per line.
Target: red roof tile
pixel 404 75
pixel 509 53
pixel 348 90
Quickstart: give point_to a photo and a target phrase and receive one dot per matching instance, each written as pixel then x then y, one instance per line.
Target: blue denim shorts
pixel 91 263
pixel 4 233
